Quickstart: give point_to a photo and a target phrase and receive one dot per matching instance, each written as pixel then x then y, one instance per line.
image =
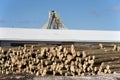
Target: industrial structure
pixel 54 22
pixel 54 32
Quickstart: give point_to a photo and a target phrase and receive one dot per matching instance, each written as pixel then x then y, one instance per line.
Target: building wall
pixel 21 43
pixel 5 43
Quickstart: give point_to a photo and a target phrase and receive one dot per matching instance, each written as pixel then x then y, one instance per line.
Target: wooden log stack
pixel 64 60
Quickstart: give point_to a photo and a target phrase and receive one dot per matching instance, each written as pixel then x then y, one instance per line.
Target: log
pixel 105 59
pixel 57 61
pixel 108 55
pixel 112 66
pixel 72 68
pixel 72 49
pixel 47 62
pixel 100 52
pixel 118 48
pixel 107 45
pixel 83 54
pixel 115 69
pixel 69 57
pixel 68 74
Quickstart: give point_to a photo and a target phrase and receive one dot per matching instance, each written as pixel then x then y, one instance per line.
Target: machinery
pixel 54 22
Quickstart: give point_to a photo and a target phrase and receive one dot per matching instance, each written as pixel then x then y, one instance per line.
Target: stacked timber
pixel 64 60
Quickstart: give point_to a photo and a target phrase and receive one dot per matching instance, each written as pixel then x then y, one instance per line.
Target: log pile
pixel 64 60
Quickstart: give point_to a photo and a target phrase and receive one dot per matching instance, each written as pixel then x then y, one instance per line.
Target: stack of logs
pixel 64 60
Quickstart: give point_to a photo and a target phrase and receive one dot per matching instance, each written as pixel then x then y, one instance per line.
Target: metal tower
pixel 54 22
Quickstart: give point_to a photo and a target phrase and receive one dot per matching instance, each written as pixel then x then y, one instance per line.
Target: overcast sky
pixel 75 14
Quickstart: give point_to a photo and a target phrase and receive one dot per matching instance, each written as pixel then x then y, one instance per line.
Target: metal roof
pixel 22 34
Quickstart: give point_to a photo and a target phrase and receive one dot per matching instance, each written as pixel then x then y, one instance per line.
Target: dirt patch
pixel 22 76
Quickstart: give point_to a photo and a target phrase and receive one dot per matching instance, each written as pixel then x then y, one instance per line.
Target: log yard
pixel 56 53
